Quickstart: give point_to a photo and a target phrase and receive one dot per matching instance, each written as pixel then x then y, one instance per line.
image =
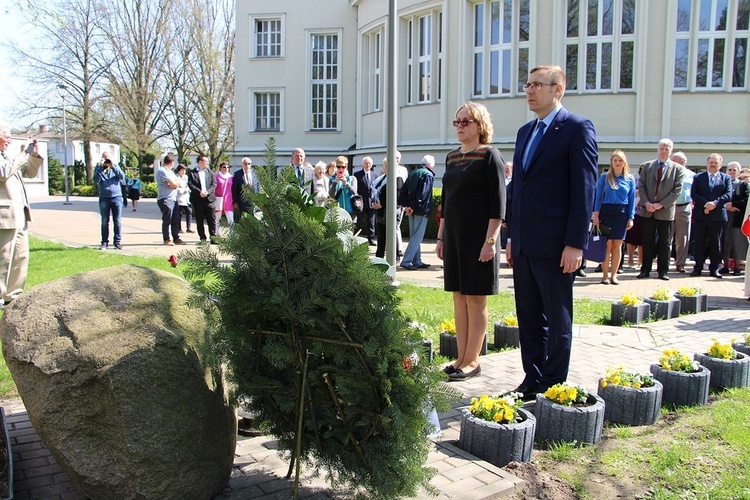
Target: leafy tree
pixel 316 344
pixel 56 176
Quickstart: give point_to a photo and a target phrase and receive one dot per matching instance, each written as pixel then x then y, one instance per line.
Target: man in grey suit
pixel 15 215
pixel 660 186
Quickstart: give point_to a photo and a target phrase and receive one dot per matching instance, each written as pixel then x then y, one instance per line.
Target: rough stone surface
pixel 506 336
pixel 580 424
pixel 621 314
pixel 499 444
pixel 693 304
pixel 629 406
pixel 449 347
pixel 664 309
pixel 112 368
pixel 726 372
pixel 741 347
pixel 681 388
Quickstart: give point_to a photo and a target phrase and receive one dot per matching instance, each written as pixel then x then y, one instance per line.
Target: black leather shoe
pixel 459 374
pixel 724 270
pixel 680 269
pixel 737 272
pixel 664 277
pixel 695 273
pixel 716 274
pixel 449 369
pixel 528 393
pixel 642 275
pixel 424 265
pixel 580 273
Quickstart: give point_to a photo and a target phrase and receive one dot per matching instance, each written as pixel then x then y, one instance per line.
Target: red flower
pixel 407 363
pixel 173 260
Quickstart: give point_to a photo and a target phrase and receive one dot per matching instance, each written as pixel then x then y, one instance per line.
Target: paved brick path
pixel 259 473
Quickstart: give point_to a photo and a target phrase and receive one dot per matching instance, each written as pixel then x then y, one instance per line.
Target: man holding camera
pixel 15 215
pixel 109 177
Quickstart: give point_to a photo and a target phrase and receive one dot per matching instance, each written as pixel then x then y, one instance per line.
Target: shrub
pixel 567 394
pixel 331 378
pixel 618 376
pixel 85 190
pixel 148 190
pixel 498 409
pixel 721 351
pixel 676 361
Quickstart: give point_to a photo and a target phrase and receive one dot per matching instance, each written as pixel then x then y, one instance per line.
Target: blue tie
pixel 534 144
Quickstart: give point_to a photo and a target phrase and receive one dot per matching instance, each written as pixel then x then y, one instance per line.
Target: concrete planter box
pixel 681 388
pixel 506 336
pixel 449 348
pixel 6 457
pixel 622 314
pixel 693 304
pixel 629 406
pixel 498 444
pixel 727 373
pixel 741 347
pixel 664 309
pixel 580 424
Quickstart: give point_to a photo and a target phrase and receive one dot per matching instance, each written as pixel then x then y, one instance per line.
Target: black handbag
pixel 596 250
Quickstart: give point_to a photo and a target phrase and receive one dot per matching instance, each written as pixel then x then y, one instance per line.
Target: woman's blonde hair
pixel 479 113
pixel 611 172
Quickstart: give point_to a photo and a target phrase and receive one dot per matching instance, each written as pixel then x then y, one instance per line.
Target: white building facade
pixel 313 74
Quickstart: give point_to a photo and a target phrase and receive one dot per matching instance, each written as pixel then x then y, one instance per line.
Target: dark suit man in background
pixel 245 176
pixel 660 186
pixel 202 184
pixel 554 182
pixel 15 215
pixel 733 242
pixel 711 190
pixel 366 220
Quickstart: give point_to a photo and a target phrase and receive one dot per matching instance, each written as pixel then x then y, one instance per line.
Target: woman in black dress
pixel 473 209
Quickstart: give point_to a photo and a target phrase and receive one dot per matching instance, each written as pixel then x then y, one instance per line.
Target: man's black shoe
pixel 528 393
pixel 724 270
pixel 424 265
pixel 716 274
pixel 664 277
pixel 695 273
pixel 737 272
pixel 642 275
pixel 580 273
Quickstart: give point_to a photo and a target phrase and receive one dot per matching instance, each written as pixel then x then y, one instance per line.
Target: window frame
pixel 254 93
pixel 693 41
pixel 254 19
pixel 325 82
pixel 423 56
pixel 499 55
pixel 372 64
pixel 582 44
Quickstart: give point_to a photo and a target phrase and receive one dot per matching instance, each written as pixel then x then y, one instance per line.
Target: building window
pixel 324 81
pixel 424 56
pixel 267 35
pixel 599 45
pixel 266 112
pixel 500 47
pixel 711 42
pixel 372 56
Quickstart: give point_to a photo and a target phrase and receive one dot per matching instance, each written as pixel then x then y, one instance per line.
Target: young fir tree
pixel 316 344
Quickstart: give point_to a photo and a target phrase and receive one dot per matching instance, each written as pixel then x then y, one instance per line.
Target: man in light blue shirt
pixel 166 200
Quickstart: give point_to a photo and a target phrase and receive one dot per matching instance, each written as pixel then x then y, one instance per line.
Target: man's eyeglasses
pixel 463 123
pixel 536 85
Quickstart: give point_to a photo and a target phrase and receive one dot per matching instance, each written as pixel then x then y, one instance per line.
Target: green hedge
pixel 148 190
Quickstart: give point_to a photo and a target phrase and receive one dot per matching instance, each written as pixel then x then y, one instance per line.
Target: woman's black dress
pixel 473 193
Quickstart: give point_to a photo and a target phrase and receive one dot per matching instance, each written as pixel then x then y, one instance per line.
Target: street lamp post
pixel 61 89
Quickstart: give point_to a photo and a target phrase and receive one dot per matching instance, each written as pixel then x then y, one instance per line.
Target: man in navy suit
pixel 711 190
pixel 553 190
pixel 245 176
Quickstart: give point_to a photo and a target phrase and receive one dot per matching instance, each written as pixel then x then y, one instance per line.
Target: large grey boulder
pixel 114 371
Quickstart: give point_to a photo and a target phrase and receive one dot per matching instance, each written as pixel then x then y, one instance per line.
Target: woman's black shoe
pixel 459 374
pixel 449 369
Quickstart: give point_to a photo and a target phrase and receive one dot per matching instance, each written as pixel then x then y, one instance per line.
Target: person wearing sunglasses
pixel 343 187
pixel 554 184
pixel 473 209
